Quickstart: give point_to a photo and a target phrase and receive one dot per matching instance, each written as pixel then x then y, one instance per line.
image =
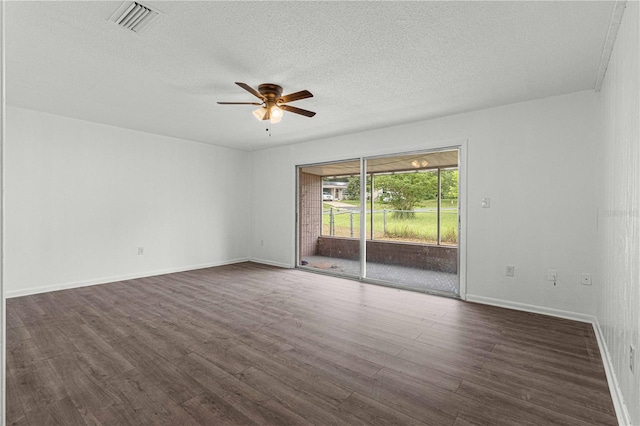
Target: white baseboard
pixel 616 393
pixel 575 316
pixel 106 280
pixel 271 263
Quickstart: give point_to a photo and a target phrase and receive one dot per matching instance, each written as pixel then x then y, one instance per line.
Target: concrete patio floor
pixel 398 276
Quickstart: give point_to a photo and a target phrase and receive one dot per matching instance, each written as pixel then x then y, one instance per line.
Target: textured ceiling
pixel 369 64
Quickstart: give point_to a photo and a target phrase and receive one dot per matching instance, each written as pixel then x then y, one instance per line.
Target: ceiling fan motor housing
pixel 270 91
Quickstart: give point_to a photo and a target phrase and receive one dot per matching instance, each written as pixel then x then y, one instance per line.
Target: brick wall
pixel 310 212
pixel 433 258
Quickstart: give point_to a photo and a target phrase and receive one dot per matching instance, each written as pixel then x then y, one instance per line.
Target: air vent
pixel 133 16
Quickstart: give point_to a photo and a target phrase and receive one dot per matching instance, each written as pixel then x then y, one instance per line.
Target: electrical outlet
pixel 586 278
pixel 140 251
pixel 631 357
pixel 510 271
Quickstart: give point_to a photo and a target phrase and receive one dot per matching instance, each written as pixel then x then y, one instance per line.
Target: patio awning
pixel 394 164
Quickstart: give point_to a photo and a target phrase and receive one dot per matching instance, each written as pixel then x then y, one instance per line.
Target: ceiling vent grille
pixel 134 16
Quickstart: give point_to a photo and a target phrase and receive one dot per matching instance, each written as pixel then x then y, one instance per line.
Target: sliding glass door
pixel 328 218
pixel 412 225
pixel 392 219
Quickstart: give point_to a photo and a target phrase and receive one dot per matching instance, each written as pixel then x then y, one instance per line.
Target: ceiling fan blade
pixel 251 90
pixel 297 110
pixel 239 103
pixel 303 94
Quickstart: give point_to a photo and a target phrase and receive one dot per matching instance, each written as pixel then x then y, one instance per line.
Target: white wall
pixel 3 316
pixel 618 307
pixel 536 162
pixel 82 197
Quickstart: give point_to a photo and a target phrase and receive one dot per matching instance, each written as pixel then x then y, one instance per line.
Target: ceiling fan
pixel 273 103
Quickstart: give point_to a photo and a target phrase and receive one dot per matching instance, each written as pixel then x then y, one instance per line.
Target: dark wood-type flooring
pixel 251 344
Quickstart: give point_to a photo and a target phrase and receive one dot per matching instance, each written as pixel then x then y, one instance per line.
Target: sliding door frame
pixel 461 147
pixel 363 218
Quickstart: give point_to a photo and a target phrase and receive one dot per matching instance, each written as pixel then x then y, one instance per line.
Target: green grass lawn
pixel 378 205
pixel 421 228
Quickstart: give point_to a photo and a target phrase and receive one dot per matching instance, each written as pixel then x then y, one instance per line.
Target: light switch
pixel 486 203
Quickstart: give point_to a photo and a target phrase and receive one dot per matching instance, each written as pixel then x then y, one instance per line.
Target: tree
pixel 353 187
pixel 449 183
pixel 404 191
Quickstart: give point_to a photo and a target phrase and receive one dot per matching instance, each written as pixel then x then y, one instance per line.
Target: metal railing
pixel 389 223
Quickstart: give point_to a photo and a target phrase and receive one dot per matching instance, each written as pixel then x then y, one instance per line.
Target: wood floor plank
pixel 207 408
pixel 223 354
pixel 58 413
pixel 555 387
pixel 336 337
pixel 479 417
pixel 377 413
pixel 90 394
pixel 430 354
pixel 150 404
pixel 17 332
pixel 314 349
pixel 421 401
pixel 307 405
pixel 37 386
pixel 26 309
pixel 534 355
pixel 252 403
pixel 23 353
pixel 357 355
pixel 250 344
pixel 50 340
pixel 13 402
pixel 552 401
pixel 96 353
pixel 296 377
pixel 157 370
pixel 550 372
pixel 536 413
pixel 110 327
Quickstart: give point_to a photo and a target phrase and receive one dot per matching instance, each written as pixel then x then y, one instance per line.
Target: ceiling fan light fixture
pixel 260 113
pixel 275 114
